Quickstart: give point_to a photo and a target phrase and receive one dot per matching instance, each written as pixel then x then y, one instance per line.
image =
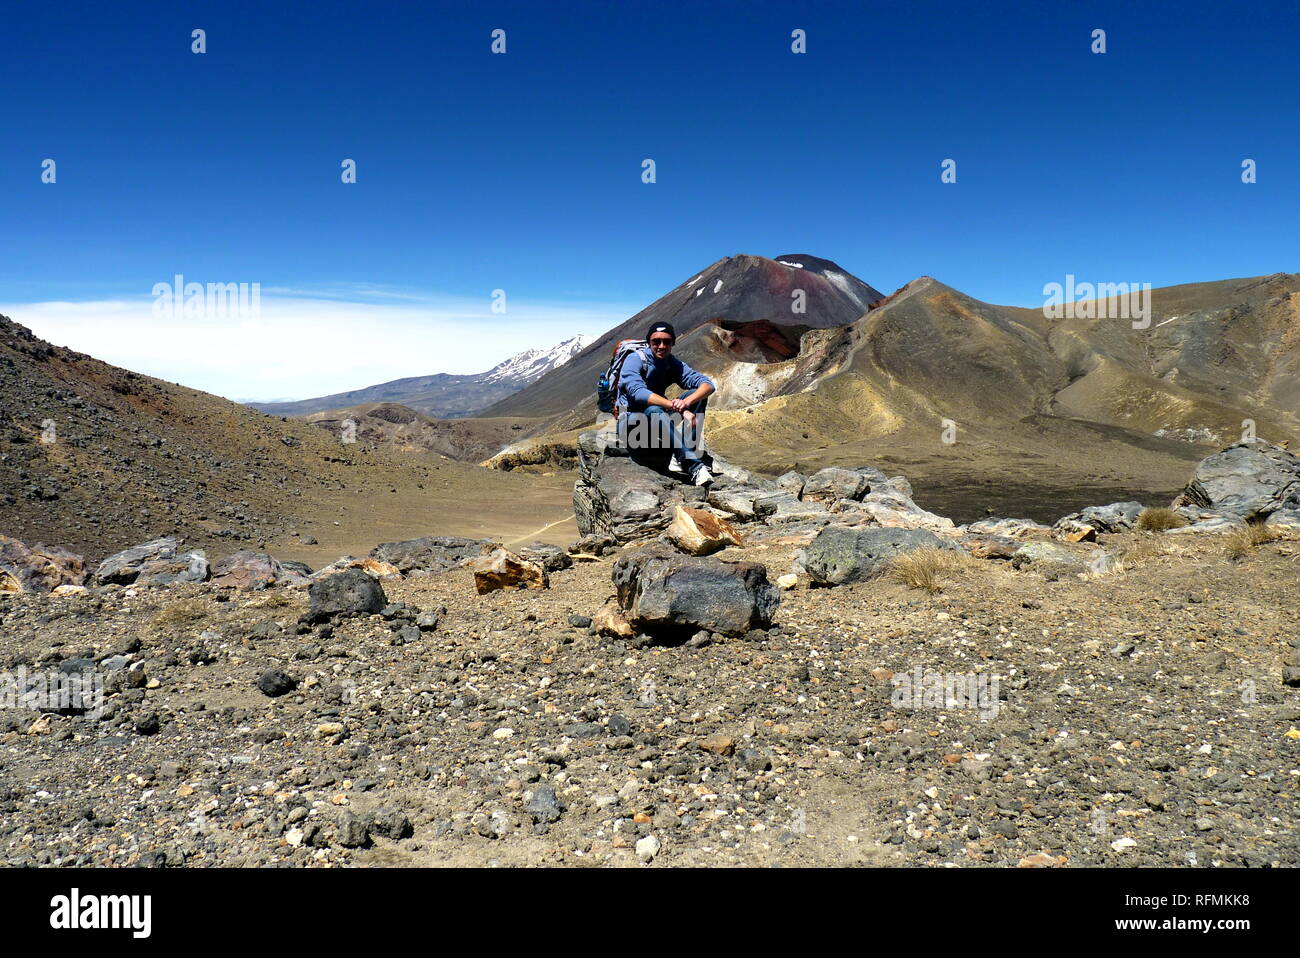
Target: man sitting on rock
pixel 666 423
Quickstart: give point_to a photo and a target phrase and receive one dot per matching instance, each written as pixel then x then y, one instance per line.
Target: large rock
pixel 350 592
pixel 1211 523
pixel 505 570
pixel 549 557
pixel 738 500
pixel 894 510
pixel 989 546
pixel 1285 521
pixel 431 553
pixel 1248 479
pixel 593 448
pixel 610 620
pixel 592 545
pixel 186 567
pixel 38 569
pixel 784 507
pixel 841 554
pixel 792 482
pixel 631 497
pixel 1049 558
pixel 662 590
pixel 123 567
pixel 827 485
pixel 246 569
pixel 1087 523
pixel 1011 528
pixel 700 533
pixel 730 472
pixel 381 570
pixel 626 500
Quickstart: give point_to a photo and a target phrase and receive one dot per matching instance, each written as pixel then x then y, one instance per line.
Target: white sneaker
pixel 675 465
pixel 702 476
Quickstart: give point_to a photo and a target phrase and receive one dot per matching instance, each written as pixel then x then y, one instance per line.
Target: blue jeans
pixel 661 429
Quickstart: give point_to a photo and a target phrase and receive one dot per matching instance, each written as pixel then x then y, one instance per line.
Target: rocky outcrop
pixel 620 497
pixel 985 546
pixel 38 569
pixel 660 590
pixel 1211 523
pixel 1248 479
pixel 156 562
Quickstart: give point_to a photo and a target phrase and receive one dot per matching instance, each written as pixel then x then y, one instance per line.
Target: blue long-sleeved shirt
pixel 642 376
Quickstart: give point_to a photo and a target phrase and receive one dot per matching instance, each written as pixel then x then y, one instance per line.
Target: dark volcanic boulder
pixel 350 592
pixel 659 589
pixel 842 554
pixel 431 553
pixel 123 567
pixel 1248 479
pixel 39 569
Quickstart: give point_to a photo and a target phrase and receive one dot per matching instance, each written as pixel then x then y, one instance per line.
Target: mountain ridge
pixel 442 395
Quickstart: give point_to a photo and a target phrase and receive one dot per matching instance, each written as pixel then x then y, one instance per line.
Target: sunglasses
pixel 661 342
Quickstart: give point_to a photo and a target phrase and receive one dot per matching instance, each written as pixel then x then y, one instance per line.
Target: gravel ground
pixel 1140 718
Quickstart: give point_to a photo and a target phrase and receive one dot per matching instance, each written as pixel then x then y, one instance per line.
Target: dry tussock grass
pixel 925 568
pixel 1140 552
pixel 1242 542
pixel 271 599
pixel 1159 520
pixel 181 612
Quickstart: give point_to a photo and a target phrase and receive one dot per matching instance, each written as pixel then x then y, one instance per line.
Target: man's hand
pixel 678 405
pixel 688 417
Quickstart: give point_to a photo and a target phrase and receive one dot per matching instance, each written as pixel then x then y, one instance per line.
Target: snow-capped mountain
pixel 531 363
pixel 444 395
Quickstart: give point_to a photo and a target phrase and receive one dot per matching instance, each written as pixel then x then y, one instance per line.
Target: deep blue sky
pixel 522 171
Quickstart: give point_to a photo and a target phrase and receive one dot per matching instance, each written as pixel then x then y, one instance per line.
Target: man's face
pixel 661 345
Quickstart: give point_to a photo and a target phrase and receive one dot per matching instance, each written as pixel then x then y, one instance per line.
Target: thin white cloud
pixel 303 347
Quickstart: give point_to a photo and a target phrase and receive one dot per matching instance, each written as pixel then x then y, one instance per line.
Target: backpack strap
pixel 615 371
